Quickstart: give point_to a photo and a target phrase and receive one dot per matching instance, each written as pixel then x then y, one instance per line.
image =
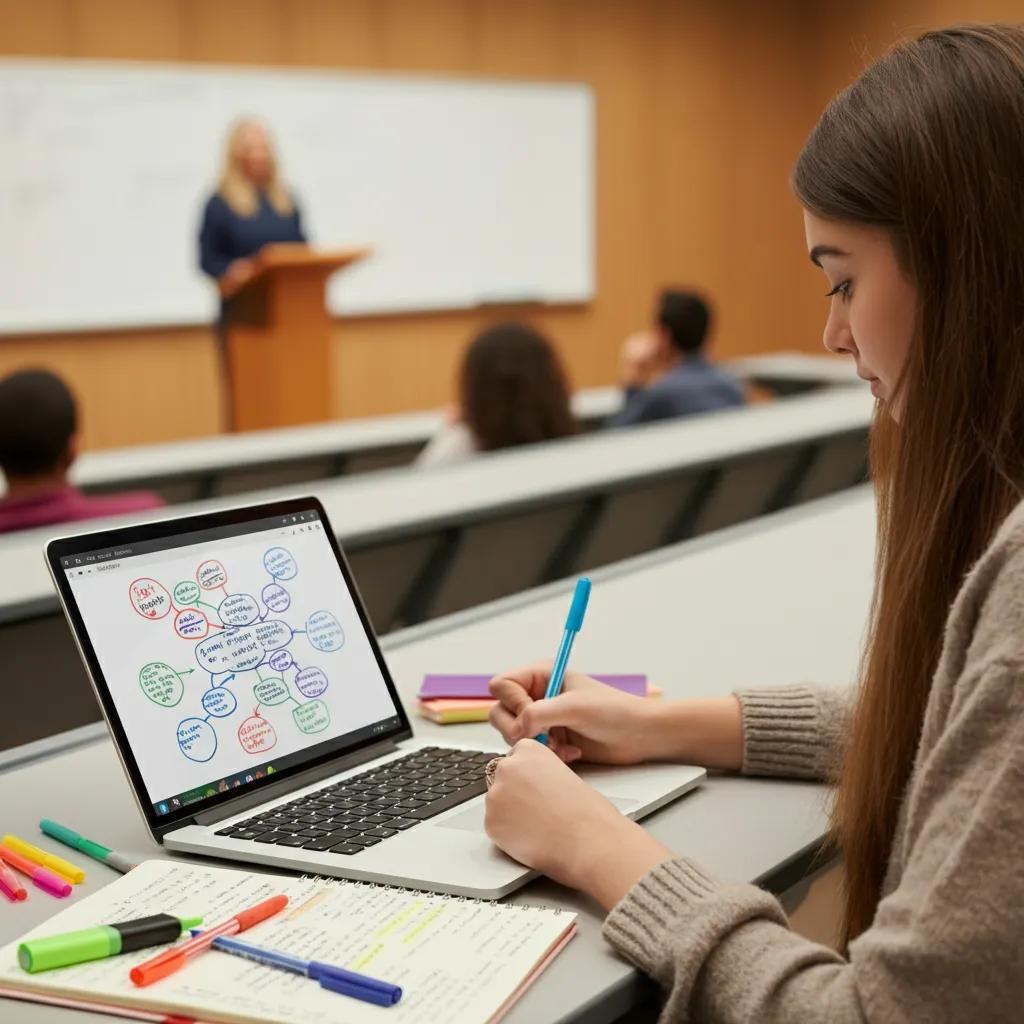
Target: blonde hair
pixel 236 188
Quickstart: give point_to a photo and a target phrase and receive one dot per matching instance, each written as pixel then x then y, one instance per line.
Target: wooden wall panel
pixel 40 28
pixel 333 33
pixel 436 36
pixel 700 111
pixel 235 31
pixel 132 388
pixel 126 29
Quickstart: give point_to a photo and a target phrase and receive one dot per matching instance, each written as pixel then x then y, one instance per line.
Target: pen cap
pixel 254 915
pixel 379 997
pixel 578 607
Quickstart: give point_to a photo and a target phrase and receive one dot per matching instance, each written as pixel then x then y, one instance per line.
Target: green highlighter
pixel 107 940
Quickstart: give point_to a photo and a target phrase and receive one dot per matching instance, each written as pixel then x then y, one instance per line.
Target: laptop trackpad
pixel 472 819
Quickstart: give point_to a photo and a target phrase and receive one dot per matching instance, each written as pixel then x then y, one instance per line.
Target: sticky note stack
pixel 447 699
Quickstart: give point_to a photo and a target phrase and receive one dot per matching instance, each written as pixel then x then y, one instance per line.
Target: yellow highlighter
pixel 47 860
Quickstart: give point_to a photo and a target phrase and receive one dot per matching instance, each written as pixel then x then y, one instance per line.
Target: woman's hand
pixel 588 720
pixel 593 722
pixel 546 817
pixel 239 272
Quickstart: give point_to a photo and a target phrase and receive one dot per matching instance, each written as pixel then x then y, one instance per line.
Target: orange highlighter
pixel 174 959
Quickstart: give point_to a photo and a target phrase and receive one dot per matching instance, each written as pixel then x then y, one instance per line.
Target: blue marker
pixel 573 624
pixel 334 979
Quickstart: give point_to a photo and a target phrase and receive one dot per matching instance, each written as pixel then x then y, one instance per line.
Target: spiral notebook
pixel 459 961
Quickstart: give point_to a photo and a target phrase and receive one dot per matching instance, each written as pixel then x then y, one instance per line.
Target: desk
pixel 800 584
pixel 235 463
pixel 427 544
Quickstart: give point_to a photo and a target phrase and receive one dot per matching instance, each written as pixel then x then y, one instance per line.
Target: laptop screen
pixel 230 652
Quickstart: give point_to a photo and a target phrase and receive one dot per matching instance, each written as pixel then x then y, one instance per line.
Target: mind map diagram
pixel 240 642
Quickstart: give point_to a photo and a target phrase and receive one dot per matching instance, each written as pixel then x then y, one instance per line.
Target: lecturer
pixel 250 209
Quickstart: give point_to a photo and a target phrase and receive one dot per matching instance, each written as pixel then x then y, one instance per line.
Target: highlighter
pixel 55 885
pixel 97 943
pixel 47 860
pixel 10 886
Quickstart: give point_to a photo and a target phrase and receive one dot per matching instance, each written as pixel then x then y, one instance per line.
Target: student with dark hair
pixel 38 445
pixel 512 391
pixel 665 372
pixel 912 187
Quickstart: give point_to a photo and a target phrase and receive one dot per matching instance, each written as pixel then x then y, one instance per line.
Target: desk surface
pixel 239 451
pixel 796 586
pixel 392 502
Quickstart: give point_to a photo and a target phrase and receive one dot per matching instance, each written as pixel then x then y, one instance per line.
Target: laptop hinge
pixel 275 792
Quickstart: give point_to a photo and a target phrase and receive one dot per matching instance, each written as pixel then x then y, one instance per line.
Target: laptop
pixel 255 716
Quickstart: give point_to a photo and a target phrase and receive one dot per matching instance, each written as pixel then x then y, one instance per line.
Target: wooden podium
pixel 279 338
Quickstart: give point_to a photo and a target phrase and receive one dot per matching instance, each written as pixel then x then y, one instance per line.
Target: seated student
pixel 38 444
pixel 911 185
pixel 665 372
pixel 512 391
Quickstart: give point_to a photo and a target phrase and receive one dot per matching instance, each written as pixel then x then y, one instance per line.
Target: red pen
pixel 161 966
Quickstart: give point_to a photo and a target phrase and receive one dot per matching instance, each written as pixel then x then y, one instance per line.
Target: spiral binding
pixel 337 882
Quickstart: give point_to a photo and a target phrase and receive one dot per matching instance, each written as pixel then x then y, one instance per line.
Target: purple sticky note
pixel 445 687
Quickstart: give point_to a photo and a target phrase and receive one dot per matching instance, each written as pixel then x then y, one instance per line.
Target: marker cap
pixel 578 608
pixel 73 948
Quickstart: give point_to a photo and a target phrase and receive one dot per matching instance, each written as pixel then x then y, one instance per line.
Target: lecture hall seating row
pixel 238 463
pixel 423 545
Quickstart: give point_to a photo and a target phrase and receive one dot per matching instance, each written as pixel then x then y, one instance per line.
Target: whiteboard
pixel 468 191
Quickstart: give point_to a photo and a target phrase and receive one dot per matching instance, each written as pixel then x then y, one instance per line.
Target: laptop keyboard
pixel 360 812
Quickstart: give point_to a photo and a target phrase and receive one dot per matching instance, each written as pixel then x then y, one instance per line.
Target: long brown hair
pixel 929 144
pixel 513 389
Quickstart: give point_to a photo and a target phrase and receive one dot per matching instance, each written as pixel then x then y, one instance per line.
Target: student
pixel 913 201
pixel 38 445
pixel 665 372
pixel 512 391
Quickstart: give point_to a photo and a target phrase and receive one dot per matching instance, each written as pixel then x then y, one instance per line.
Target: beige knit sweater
pixel 947 942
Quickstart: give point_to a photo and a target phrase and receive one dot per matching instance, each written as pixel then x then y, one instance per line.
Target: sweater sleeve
pixel 944 946
pixel 794 731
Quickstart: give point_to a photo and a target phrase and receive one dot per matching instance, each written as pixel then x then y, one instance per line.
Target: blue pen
pixel 573 624
pixel 334 979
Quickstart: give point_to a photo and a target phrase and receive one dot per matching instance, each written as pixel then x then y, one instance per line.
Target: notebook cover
pixel 468 686
pixel 107 1009
pixel 528 982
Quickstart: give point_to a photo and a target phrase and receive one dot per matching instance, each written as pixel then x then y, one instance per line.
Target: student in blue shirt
pixel 665 371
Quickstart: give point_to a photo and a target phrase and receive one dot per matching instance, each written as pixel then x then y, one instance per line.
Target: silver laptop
pixel 256 718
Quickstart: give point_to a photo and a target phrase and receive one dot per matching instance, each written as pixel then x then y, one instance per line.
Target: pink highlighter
pixel 10 886
pixel 41 878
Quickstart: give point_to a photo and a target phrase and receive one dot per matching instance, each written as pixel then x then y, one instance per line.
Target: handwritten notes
pixel 458 961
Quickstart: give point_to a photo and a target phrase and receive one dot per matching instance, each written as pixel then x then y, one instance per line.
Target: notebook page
pixel 457 961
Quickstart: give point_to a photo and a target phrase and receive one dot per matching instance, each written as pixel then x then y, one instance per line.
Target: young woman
pixel 512 391
pixel 912 186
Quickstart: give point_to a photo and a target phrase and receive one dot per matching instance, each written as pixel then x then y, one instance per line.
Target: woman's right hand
pixel 587 721
pixel 590 721
pixel 239 272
